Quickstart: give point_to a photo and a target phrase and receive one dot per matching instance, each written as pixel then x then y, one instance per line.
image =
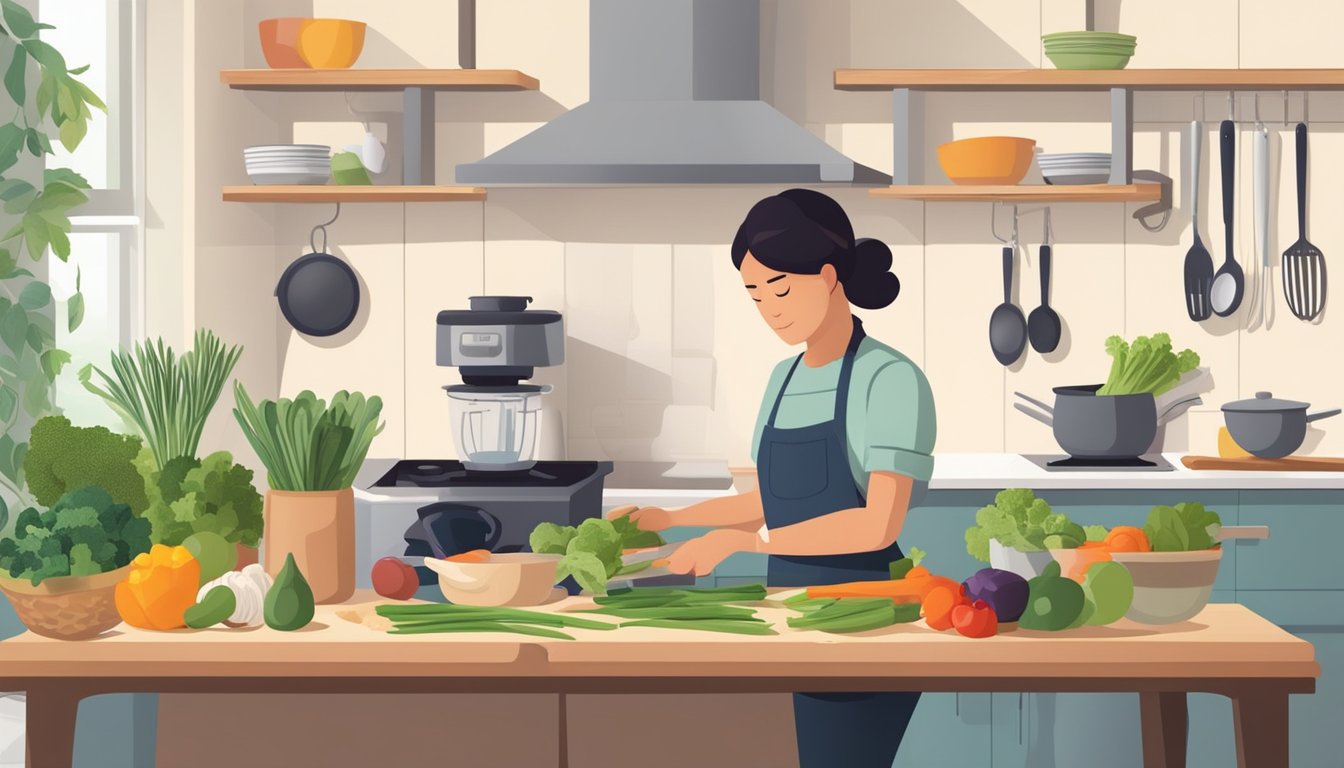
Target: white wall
pixel 667 356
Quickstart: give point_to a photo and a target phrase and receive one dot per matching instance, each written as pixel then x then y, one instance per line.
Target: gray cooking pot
pixel 1092 426
pixel 1268 427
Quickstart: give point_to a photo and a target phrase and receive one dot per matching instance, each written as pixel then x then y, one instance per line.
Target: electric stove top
pixel 449 473
pixel 1056 463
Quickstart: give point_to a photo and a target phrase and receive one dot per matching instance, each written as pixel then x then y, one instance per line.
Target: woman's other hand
pixel 701 556
pixel 645 518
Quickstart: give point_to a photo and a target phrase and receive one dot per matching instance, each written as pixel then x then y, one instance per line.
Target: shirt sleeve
pixel 901 425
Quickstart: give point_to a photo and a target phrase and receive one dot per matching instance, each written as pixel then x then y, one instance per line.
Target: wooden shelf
pixel 1032 193
pixel 1087 80
pixel 378 79
pixel 295 193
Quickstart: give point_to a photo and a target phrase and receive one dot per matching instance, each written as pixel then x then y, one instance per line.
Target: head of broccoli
pixel 83 534
pixel 62 457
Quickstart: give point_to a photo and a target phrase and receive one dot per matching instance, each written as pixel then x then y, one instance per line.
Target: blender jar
pixel 495 428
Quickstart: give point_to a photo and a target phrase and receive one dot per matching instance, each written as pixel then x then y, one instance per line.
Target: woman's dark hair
pixel 799 231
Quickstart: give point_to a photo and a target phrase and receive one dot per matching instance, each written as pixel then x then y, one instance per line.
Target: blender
pixel 496 344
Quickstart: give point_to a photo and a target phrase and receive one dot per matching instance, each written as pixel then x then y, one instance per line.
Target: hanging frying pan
pixel 319 293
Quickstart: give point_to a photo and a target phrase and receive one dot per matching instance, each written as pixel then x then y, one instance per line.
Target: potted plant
pixel 312 453
pixel 60 568
pixel 1017 532
pixel 165 398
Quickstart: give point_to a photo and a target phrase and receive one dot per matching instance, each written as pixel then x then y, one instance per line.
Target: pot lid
pixel 1264 402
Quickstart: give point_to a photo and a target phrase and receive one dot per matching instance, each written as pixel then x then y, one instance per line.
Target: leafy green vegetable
pixel 192 495
pixel 1095 532
pixel 305 444
pixel 586 568
pixel 592 550
pixel 62 457
pixel 633 537
pixel 1054 602
pixel 550 538
pixel 1146 365
pixel 1019 520
pixel 165 398
pixel 1183 528
pixel 83 534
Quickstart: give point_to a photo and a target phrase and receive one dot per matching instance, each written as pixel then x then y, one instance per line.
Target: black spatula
pixel 1198 262
pixel 1303 263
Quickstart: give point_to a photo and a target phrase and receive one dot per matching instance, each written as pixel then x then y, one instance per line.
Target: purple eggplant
pixel 1005 591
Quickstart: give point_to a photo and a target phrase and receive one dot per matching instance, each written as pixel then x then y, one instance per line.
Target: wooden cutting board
pixel 1252 464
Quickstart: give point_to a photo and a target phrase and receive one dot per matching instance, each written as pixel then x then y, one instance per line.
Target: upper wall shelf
pixel 378 79
pixel 351 194
pixel 1025 193
pixel 1085 80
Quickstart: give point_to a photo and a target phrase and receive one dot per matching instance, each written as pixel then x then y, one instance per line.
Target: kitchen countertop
pixel 994 471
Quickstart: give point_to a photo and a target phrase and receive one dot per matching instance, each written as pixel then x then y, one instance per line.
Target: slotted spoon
pixel 1198 262
pixel 1303 275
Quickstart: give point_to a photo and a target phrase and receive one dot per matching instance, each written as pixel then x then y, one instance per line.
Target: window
pixel 105 243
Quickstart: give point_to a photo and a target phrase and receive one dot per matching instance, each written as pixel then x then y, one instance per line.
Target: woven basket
pixel 67 607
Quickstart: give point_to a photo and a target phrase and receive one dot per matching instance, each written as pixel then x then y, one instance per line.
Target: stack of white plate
pixel 288 163
pixel 1075 167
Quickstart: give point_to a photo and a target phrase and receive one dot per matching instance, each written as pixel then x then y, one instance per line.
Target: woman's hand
pixel 645 518
pixel 701 556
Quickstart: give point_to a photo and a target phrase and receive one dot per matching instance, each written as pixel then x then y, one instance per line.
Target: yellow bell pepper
pixel 162 585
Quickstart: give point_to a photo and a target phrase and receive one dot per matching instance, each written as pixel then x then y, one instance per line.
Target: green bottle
pixel 289 602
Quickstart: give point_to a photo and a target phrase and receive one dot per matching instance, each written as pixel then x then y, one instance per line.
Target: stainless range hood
pixel 675 99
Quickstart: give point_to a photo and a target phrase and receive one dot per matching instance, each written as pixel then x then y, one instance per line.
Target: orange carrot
pixel 938 605
pixel 473 556
pixel 918 572
pixel 905 590
pixel 1127 538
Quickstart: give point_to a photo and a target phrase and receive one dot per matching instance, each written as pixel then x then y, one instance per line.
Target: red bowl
pixel 280 42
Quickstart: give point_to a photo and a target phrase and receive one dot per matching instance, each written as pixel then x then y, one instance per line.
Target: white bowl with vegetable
pixel 511 578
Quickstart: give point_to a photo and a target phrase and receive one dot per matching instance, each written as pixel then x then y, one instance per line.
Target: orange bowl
pixel 987 160
pixel 331 43
pixel 280 42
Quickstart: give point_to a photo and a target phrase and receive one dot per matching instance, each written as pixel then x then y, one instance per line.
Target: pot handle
pixel 1243 532
pixel 1323 414
pixel 1036 403
pixel 1035 414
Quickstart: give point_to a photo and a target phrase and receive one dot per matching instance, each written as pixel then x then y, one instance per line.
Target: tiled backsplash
pixel 667 355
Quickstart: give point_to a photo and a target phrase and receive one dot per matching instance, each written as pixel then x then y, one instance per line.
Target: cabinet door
pixel 947 729
pixel 1058 730
pixel 1317 617
pixel 1302 551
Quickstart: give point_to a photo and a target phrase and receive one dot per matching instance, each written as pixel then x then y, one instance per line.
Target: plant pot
pixel 67 607
pixel 1028 565
pixel 318 528
pixel 246 556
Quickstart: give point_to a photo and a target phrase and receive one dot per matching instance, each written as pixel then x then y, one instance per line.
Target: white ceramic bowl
pixel 1028 565
pixel 1170 587
pixel 511 578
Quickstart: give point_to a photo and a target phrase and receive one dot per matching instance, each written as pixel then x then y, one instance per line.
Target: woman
pixel 845 431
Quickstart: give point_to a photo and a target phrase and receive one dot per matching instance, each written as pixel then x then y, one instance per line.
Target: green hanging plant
pixel 40 210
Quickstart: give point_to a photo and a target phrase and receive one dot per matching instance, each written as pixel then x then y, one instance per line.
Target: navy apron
pixel 804 473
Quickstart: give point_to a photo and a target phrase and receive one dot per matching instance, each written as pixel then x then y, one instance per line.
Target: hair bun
pixel 872 285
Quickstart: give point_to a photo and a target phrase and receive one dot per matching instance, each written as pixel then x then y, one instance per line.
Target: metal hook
pixel 1285 109
pixel 1306 101
pixel 1049 229
pixel 1014 243
pixel 1255 108
pixel 312 236
pixel 1232 106
pixel 1198 97
pixel 994 224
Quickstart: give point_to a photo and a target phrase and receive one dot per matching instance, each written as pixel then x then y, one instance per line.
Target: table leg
pixel 51 725
pixel 563 761
pixel 1261 720
pixel 1164 719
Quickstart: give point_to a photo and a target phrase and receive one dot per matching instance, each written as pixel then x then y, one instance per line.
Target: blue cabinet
pixel 948 729
pixel 1302 551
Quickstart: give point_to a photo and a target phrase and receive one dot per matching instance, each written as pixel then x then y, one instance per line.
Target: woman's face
pixel 794 306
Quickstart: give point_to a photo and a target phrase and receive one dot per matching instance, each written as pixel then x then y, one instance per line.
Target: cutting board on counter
pixel 1252 464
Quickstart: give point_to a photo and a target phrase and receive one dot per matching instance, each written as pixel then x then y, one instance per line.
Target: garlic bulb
pixel 249 588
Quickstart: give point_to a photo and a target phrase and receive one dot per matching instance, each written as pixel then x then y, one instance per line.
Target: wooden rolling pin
pixel 1252 464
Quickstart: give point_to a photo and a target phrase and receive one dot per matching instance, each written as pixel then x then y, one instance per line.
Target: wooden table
pixel 1226 649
